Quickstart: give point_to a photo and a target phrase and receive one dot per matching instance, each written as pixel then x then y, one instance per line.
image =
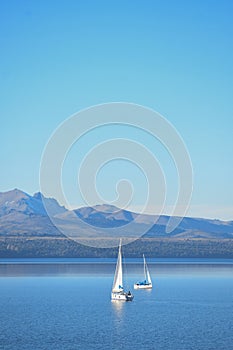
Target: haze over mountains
pixel 25 215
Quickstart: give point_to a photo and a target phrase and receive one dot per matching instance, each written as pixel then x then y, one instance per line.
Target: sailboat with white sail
pixel 118 292
pixel 147 283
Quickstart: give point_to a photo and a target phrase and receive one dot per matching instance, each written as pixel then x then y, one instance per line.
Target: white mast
pixel 117 284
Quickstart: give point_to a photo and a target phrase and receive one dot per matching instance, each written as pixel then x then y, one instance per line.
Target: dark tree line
pixel 156 248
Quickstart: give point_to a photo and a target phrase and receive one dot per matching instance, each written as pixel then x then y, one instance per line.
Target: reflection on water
pixel 147 291
pixel 117 307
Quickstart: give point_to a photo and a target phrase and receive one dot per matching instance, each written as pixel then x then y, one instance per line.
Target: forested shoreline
pixel 17 247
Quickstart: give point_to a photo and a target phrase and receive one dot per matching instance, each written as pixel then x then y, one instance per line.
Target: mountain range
pixel 23 215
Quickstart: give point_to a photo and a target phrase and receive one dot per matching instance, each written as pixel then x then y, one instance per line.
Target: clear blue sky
pixel 58 57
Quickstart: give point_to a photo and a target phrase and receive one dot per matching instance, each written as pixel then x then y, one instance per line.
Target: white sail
pixel 148 276
pixel 117 284
pixel 147 283
pixel 146 272
pixel 144 264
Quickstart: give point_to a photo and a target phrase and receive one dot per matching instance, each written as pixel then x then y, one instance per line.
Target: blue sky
pixel 173 56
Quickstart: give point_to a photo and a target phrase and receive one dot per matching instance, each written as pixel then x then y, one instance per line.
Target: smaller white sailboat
pixel 147 283
pixel 118 292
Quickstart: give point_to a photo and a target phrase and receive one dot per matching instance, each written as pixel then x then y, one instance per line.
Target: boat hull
pixel 143 286
pixel 121 296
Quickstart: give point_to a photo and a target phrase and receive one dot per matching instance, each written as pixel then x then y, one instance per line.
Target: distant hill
pixel 25 215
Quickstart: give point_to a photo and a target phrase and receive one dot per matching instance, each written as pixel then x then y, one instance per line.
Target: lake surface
pixel 57 304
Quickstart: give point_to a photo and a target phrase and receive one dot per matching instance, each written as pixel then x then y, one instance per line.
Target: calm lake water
pixel 57 304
